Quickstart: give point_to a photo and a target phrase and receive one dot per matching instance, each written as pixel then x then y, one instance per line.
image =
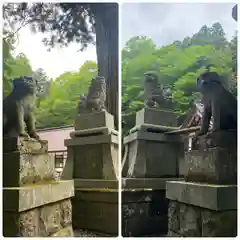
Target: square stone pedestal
pixel 94 120
pixel 152 155
pixel 95 206
pixel 201 210
pixel 156 117
pixel 212 165
pixel 34 203
pixel 144 207
pixel 93 157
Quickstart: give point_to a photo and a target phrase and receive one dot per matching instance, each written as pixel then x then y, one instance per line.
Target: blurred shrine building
pixel 191 118
pixel 55 138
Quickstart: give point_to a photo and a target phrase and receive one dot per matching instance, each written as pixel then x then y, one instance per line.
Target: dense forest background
pixel 177 66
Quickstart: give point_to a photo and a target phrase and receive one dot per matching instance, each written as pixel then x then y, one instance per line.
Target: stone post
pixel 205 204
pixel 93 164
pixel 152 159
pixel 35 204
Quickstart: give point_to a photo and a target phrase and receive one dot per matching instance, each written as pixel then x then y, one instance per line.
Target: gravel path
pixel 86 233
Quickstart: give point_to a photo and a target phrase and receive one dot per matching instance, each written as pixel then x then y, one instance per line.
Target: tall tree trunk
pixel 107 51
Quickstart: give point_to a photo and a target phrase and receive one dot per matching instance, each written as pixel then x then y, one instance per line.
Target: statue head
pixel 99 78
pixel 150 77
pixel 208 78
pixel 25 83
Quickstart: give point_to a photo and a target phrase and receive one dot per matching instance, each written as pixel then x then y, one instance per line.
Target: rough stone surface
pixel 190 221
pixel 200 222
pixel 27 168
pixel 145 183
pixel 52 219
pixel 215 197
pixel 222 139
pixel 156 116
pixel 24 146
pixel 94 120
pixel 219 224
pixel 147 159
pixel 32 196
pixel 87 233
pixel 174 216
pixel 64 232
pixel 96 161
pixel 96 210
pixel 144 213
pixel 213 166
pixel 173 234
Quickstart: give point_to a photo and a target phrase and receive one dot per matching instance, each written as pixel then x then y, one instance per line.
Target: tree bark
pixel 106 15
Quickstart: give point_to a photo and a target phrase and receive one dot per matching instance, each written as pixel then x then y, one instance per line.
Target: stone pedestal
pixel 156 117
pixel 205 204
pixel 93 164
pixel 35 204
pixel 151 154
pixel 201 210
pixel 144 207
pixel 95 206
pixel 152 159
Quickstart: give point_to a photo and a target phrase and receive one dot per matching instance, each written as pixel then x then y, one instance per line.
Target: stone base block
pixel 214 165
pixel 201 210
pixel 93 157
pixel 146 183
pixel 96 210
pixel 54 219
pixel 190 221
pixel 18 199
pixel 156 117
pixel 144 213
pixel 203 195
pixel 37 210
pixel 94 120
pixel 27 168
pixel 148 154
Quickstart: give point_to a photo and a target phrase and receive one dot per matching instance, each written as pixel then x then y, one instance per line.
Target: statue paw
pixel 34 135
pixel 24 135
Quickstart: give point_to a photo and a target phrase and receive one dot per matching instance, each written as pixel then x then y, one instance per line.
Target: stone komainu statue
pixel 18 108
pixel 153 91
pixel 94 101
pixel 218 103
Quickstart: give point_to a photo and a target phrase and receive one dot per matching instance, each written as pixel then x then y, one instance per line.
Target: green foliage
pixel 59 107
pixel 177 65
pixel 57 99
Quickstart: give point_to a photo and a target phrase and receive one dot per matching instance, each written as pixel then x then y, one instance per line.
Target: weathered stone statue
pixel 94 101
pixel 18 107
pixel 154 93
pixel 218 103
